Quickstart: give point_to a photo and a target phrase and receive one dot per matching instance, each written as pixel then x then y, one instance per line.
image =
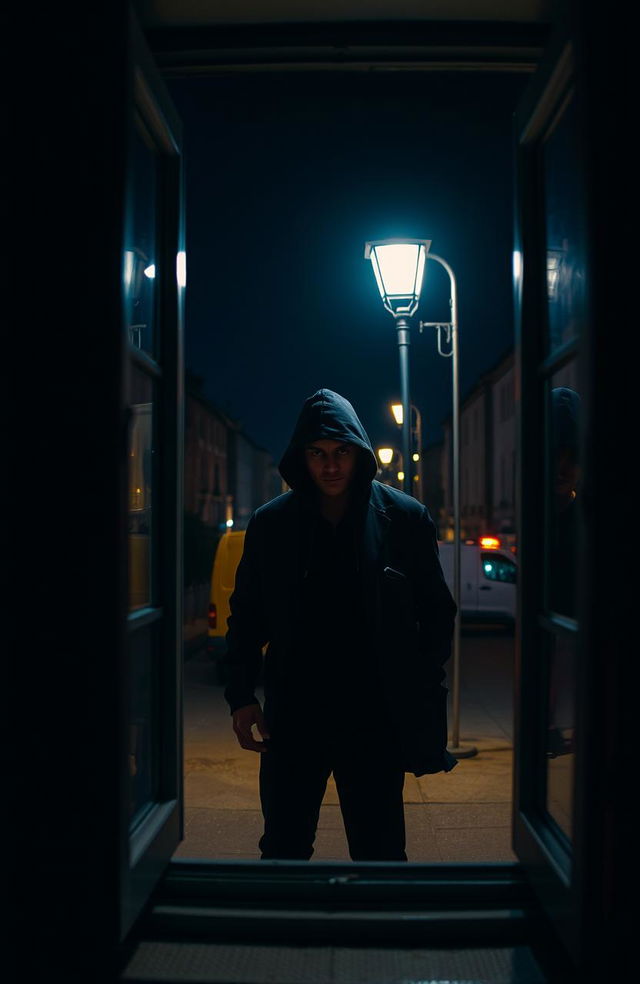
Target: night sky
pixel 287 177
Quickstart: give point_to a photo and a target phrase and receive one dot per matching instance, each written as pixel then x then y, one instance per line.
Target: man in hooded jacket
pixel 340 580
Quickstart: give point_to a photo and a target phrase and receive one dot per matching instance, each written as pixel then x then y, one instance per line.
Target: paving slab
pixel 485 844
pixel 221 835
pixel 453 816
pixel 464 815
pixel 487 777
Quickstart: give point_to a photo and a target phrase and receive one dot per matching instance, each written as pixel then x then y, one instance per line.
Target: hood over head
pixel 565 418
pixel 326 415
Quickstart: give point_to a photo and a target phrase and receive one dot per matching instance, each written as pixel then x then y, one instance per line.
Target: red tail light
pixel 213 617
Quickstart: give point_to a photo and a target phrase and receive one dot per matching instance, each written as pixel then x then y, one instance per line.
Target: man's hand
pixel 243 721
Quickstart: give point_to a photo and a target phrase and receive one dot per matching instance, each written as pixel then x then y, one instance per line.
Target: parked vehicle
pixel 223 576
pixel 488 574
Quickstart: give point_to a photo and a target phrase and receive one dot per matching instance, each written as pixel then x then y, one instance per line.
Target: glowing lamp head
pixel 385 455
pixel 181 268
pixel 398 412
pixel 398 265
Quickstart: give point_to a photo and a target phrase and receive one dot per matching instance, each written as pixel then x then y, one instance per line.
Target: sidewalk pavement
pixel 194 635
pixel 464 815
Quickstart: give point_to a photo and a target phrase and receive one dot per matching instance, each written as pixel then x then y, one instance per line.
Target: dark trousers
pixel 293 779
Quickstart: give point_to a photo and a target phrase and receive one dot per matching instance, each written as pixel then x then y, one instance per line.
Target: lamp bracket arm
pixel 447 328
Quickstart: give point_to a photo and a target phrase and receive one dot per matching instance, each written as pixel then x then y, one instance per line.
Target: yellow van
pixel 223 576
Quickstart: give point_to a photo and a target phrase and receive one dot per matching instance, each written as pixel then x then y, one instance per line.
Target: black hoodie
pixel 330 621
pixel 326 415
pixel 374 619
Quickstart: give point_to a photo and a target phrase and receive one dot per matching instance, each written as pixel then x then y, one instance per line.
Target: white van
pixel 487 580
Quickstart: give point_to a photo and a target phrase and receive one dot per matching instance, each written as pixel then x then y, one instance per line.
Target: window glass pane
pixel 141 481
pixel 564 260
pixel 561 730
pixel 563 490
pixel 563 503
pixel 140 258
pixel 496 568
pixel 143 725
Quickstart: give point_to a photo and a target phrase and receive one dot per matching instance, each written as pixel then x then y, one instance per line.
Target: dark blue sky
pixel 287 176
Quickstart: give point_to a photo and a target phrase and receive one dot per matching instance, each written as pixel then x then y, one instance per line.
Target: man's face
pixel 332 465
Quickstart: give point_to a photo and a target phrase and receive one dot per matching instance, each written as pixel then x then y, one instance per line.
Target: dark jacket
pixel 408 608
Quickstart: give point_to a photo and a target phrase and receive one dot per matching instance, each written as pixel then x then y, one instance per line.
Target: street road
pixel 460 816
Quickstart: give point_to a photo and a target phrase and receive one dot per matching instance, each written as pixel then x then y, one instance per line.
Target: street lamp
pixel 398 412
pixel 398 265
pixel 386 456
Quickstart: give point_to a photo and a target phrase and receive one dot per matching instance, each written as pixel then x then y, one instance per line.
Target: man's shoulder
pixel 282 505
pixel 394 501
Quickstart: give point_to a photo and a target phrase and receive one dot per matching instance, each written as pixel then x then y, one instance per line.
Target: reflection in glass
pixel 561 731
pixel 564 262
pixel 142 725
pixel 140 489
pixel 564 478
pixel 140 271
pixel 563 503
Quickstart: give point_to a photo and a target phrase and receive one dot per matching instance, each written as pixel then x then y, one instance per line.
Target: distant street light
pixel 386 456
pixel 398 265
pixel 416 429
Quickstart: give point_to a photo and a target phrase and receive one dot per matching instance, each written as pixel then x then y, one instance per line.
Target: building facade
pixel 207 492
pixel 227 475
pixel 503 444
pixel 487 457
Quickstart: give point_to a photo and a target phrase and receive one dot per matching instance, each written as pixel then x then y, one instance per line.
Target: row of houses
pixel 227 475
pixel 487 457
pixel 488 445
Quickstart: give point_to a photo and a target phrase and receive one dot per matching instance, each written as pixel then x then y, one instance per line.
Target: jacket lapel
pixel 376 530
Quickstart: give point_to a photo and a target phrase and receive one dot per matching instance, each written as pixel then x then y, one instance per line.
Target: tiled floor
pixel 202 963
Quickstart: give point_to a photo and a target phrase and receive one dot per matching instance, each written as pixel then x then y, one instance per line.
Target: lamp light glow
pixel 398 265
pixel 129 266
pixel 398 412
pixel 385 455
pixel 150 271
pixel 181 268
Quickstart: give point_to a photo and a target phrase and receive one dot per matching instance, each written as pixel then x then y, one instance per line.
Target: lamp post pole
pixel 402 327
pixel 417 444
pixel 459 751
pixel 398 265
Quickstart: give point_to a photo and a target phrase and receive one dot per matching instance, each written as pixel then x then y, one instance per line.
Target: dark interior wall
pixel 68 151
pixel 610 688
